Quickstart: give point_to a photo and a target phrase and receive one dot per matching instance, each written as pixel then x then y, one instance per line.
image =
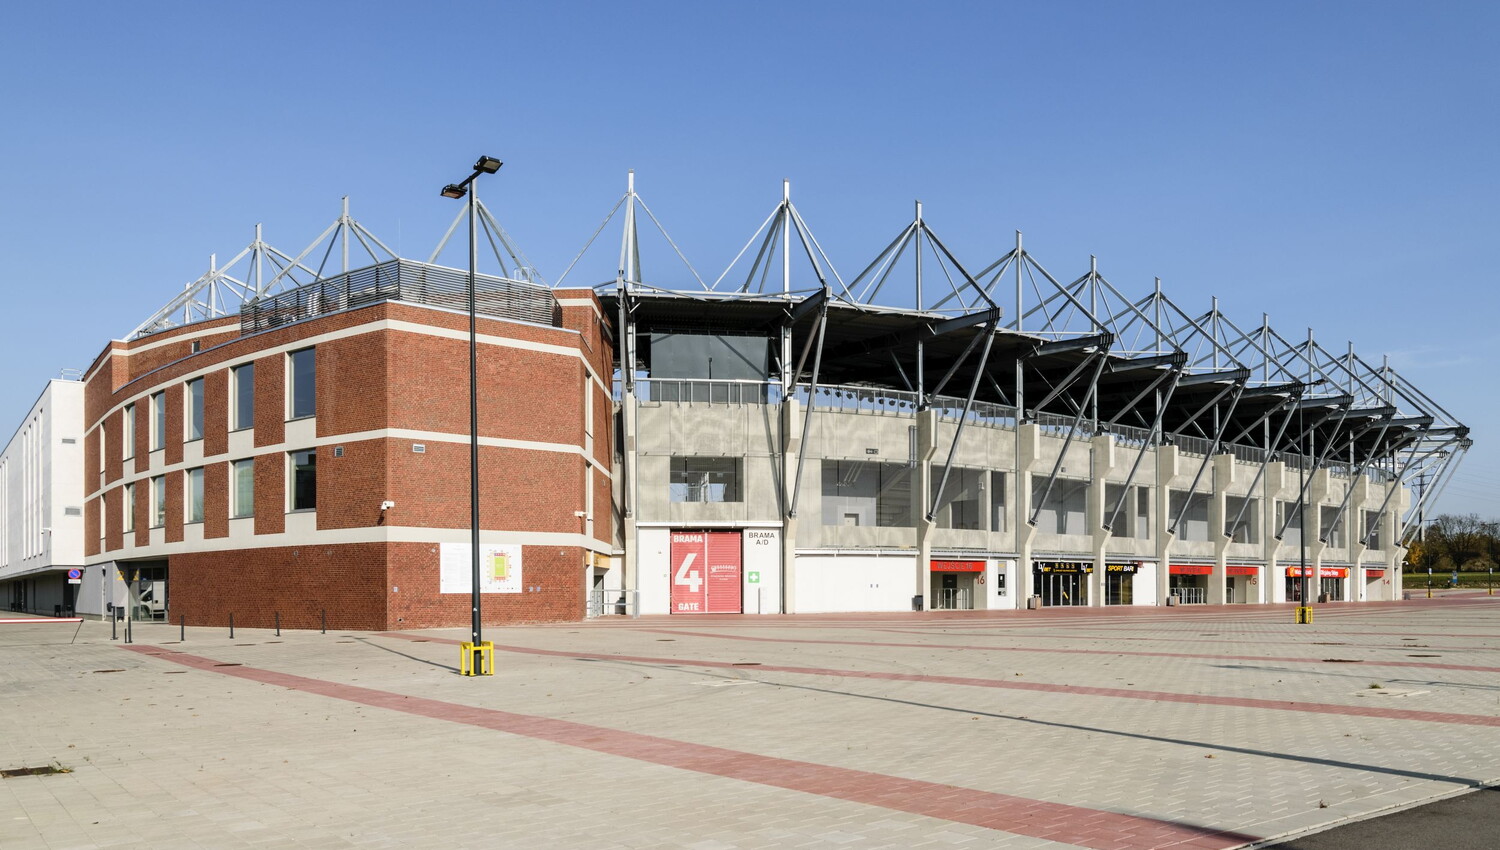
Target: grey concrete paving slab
pixel 778 731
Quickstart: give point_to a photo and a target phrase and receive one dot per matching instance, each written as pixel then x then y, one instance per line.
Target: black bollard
pixel 278 624
pixel 231 626
pixel 127 628
pixel 114 620
pixel 325 621
pixel 182 623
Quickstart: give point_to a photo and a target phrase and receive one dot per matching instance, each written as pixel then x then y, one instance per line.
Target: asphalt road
pixel 1467 822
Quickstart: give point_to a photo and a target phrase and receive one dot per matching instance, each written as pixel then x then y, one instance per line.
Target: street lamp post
pixel 474 650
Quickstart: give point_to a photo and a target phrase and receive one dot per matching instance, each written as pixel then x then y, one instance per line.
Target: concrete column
pixel 1218 506
pixel 1274 577
pixel 1166 470
pixel 1027 446
pixel 1354 532
pixel 922 486
pixel 791 445
pixel 630 581
pixel 1102 457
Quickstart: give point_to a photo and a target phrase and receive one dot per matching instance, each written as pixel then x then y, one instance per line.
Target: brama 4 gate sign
pixel 707 570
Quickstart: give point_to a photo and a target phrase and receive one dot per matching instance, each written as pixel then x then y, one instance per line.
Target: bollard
pixel 182 625
pixel 278 624
pixel 113 620
pixel 325 621
pixel 128 638
pixel 231 626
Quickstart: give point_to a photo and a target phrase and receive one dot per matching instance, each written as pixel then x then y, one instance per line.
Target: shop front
pixel 953 584
pixel 1328 587
pixel 1241 583
pixel 1061 583
pixel 1188 583
pixel 1119 583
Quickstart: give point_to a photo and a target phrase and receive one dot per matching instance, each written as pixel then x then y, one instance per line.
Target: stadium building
pixel 282 441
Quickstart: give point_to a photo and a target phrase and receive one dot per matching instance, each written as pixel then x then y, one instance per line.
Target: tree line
pixel 1464 542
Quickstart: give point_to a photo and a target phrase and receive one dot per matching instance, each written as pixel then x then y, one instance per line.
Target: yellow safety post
pixel 1304 614
pixel 477 659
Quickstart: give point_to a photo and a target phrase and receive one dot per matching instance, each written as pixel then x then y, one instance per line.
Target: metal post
pixel 474 627
pixel 323 617
pixel 278 624
pixel 182 628
pixel 231 626
pixel 114 619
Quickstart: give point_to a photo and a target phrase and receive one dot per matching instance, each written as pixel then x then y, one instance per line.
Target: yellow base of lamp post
pixel 477 659
pixel 1304 614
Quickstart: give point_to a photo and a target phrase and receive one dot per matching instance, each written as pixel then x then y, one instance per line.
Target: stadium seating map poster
pixel 499 568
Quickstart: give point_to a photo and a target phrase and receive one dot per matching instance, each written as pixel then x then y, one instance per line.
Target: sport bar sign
pixel 706 572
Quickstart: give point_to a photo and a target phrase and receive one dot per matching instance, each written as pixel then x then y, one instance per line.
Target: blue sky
pixel 1332 164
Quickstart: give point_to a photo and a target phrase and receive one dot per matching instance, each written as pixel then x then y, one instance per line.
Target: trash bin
pixel 57 610
pixel 916 603
pixel 1324 597
pixel 1033 602
pixel 1171 600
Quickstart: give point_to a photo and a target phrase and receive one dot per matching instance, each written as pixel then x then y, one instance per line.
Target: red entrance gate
pixel 706 572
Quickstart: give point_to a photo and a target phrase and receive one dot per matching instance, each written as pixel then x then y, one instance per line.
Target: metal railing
pixel 614 603
pixel 1190 595
pixel 403 280
pixel 951 599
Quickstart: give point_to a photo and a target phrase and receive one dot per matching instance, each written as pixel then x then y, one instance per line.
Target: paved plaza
pixel 1115 729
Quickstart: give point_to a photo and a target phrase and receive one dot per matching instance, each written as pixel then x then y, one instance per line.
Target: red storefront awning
pixel 958 566
pixel 1323 572
pixel 1192 569
pixel 1241 571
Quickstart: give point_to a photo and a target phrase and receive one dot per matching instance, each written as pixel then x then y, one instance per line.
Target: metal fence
pixel 403 280
pixel 614 603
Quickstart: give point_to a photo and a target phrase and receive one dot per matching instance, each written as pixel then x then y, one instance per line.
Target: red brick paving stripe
pixel 1066 651
pixel 1075 825
pixel 1080 690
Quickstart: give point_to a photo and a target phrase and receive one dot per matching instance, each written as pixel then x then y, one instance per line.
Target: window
pixel 304 374
pixel 158 501
pixel 1331 526
pixel 857 492
pixel 1190 512
pixel 195 495
pixel 158 421
pixel 1065 510
pixel 1242 519
pixel 129 507
pixel 305 480
pixel 705 479
pixel 998 514
pixel 1372 529
pixel 1291 520
pixel 242 400
pixel 242 488
pixel 960 507
pixel 129 429
pixel 195 409
pixel 1133 520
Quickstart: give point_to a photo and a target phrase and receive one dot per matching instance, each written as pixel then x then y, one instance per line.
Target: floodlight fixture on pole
pixel 478 656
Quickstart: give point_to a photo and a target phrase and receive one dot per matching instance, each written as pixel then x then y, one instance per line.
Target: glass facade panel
pixel 705 479
pixel 195 409
pixel 305 480
pixel 304 375
pixel 857 492
pixel 242 406
pixel 242 488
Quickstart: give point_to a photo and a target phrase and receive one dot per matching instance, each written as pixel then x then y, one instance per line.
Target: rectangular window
pixel 1331 530
pixel 1192 522
pixel 960 507
pixel 857 492
pixel 158 421
pixel 1133 519
pixel 1065 510
pixel 129 507
pixel 195 409
pixel 998 514
pixel 1242 519
pixel 1372 529
pixel 705 479
pixel 242 402
pixel 128 421
pixel 195 494
pixel 242 488
pixel 305 480
pixel 158 501
pixel 303 390
pixel 1291 519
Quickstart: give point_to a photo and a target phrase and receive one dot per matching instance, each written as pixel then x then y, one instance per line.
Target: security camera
pixel 387 505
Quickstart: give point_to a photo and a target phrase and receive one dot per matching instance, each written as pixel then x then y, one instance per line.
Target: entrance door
pixel 1119 588
pixel 707 569
pixel 1061 589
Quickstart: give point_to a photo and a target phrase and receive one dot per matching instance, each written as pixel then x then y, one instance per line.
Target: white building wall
pixel 41 498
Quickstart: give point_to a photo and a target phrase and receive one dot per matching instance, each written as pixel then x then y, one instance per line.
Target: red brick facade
pixel 388 367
